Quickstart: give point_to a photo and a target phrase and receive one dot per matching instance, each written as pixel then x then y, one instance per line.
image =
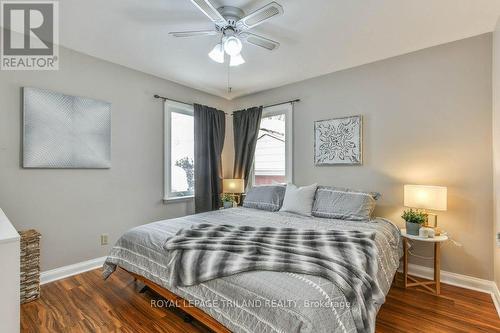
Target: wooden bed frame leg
pixel 191 312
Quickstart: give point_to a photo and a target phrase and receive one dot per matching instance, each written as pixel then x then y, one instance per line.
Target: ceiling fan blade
pixel 193 33
pixel 257 40
pixel 260 16
pixel 210 11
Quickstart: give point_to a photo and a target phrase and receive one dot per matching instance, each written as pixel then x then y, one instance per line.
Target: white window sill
pixel 178 199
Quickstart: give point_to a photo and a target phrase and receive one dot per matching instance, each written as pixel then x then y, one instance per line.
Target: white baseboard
pixel 496 297
pixel 459 280
pixel 66 271
pixel 454 279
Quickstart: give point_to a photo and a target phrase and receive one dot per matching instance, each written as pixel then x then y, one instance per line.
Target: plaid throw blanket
pixel 347 258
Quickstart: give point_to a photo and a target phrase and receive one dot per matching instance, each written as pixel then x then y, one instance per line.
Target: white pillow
pixel 299 200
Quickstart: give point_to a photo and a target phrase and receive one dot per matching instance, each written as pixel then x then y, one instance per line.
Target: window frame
pixel 169 107
pixel 287 110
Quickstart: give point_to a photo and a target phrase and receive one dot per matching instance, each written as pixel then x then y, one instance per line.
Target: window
pixel 179 150
pixel 273 153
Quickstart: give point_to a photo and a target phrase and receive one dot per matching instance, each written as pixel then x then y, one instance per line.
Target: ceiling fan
pixel 232 25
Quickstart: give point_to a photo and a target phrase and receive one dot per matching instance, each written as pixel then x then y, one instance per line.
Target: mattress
pixel 258 301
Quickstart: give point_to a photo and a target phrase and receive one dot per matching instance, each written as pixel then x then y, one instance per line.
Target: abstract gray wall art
pixel 62 131
pixel 338 141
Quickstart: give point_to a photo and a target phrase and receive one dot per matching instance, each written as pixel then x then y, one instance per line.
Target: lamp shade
pixel 232 46
pixel 233 185
pixel 426 197
pixel 236 60
pixel 217 53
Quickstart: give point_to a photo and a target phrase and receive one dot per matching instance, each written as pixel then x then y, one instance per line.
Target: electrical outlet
pixel 104 239
pixel 498 239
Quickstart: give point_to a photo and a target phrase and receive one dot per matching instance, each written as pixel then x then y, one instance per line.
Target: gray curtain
pixel 246 124
pixel 209 132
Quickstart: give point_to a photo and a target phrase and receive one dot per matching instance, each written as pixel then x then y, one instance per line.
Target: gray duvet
pixel 258 301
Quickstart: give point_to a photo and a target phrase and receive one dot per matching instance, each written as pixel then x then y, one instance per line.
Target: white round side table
pixel 437 240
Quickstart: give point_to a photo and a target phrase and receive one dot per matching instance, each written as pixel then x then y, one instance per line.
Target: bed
pixel 256 301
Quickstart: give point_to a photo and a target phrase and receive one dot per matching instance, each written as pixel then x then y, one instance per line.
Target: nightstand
pixel 437 262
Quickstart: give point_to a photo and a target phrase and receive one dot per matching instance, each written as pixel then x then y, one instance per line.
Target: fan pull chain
pixel 229 88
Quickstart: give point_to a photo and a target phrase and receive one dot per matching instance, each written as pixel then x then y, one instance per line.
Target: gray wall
pixel 427 120
pixel 71 208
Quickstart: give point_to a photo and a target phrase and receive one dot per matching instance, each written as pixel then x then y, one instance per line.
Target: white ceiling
pixel 316 36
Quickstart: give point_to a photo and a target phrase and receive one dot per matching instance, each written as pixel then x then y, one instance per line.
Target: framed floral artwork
pixel 338 141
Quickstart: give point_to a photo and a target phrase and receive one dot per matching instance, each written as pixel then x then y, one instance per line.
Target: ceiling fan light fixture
pixel 232 25
pixel 236 60
pixel 232 46
pixel 217 54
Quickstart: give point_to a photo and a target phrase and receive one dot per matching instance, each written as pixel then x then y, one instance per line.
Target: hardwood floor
pixel 455 310
pixel 86 303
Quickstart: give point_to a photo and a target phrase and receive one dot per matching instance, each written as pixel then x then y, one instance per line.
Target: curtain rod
pixel 290 101
pixel 175 100
pixel 267 106
pixel 171 99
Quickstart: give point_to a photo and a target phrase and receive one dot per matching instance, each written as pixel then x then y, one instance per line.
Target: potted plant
pixel 228 200
pixel 414 220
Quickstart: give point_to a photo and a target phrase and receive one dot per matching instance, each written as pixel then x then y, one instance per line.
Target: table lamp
pixel 427 198
pixel 234 187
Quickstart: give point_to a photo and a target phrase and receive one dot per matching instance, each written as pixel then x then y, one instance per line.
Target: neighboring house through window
pixel 179 150
pixel 273 153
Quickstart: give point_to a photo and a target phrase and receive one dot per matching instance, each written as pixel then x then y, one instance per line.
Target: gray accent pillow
pixel 265 197
pixel 299 200
pixel 344 204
